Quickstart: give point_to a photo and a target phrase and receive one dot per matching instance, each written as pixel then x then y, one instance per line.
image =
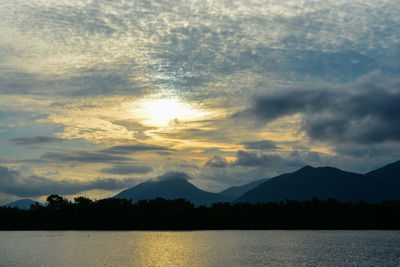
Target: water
pixel 200 248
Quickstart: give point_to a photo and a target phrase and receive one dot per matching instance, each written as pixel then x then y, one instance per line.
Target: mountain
pixel 171 189
pixel 390 172
pixel 236 191
pixel 23 204
pixel 387 181
pixel 327 182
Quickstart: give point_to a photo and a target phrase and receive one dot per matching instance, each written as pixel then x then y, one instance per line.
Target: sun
pixel 161 111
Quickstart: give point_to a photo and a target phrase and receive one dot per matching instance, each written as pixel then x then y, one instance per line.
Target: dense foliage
pixel 179 214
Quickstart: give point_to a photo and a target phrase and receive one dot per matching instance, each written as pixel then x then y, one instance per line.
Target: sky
pixel 98 96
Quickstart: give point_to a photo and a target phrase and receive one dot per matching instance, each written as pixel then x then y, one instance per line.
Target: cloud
pixel 164 153
pixel 253 159
pixel 114 154
pixel 19 82
pixel 217 162
pixel 34 140
pixel 130 149
pixel 94 44
pixel 173 175
pixel 379 154
pixel 102 79
pixel 83 156
pixel 128 169
pixel 364 111
pixel 212 53
pixel 260 145
pixel 14 183
pixel 50 173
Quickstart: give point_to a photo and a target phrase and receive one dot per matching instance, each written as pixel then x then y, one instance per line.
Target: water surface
pixel 200 248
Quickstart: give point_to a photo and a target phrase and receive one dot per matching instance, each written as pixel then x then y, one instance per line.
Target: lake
pixel 199 248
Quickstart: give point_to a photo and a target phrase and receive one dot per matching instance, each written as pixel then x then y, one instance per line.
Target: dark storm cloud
pixel 35 140
pixel 253 159
pixel 14 183
pixel 260 145
pixel 130 149
pixel 83 156
pixel 364 111
pixel 217 162
pixel 127 169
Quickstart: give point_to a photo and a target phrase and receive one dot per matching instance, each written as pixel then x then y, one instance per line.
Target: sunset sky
pixel 98 96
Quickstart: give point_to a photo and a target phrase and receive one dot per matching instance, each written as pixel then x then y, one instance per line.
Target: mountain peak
pixel 172 176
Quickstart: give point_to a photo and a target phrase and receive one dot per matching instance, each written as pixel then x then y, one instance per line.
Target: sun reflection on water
pixel 199 248
pixel 166 249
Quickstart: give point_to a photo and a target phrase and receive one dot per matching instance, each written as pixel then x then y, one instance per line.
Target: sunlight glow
pixel 165 110
pixel 160 112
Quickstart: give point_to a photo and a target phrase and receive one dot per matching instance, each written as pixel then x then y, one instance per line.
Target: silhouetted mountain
pixel 390 172
pixel 22 204
pixel 387 181
pixel 171 189
pixel 236 191
pixel 327 182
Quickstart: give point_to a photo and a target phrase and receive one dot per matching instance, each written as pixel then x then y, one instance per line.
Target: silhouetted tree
pixel 36 206
pixel 83 202
pixel 180 214
pixel 57 202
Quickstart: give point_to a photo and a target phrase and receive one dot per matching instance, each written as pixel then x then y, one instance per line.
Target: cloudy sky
pixel 97 96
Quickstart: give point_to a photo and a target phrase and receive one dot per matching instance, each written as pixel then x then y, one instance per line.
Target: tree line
pixel 179 214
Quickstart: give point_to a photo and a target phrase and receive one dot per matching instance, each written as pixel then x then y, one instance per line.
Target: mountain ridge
pixel 303 184
pixel 329 182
